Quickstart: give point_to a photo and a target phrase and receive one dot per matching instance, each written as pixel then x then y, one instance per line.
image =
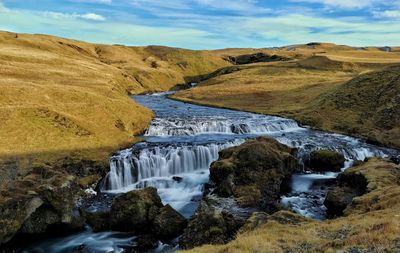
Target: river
pixel 178 148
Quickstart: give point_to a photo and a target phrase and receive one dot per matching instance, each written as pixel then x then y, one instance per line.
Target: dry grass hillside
pixel 357 96
pixel 371 222
pixel 63 95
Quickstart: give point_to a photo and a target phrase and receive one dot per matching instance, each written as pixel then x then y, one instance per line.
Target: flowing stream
pixel 181 143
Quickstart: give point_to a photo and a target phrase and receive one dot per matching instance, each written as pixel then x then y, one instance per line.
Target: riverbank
pixel 360 102
pixel 370 222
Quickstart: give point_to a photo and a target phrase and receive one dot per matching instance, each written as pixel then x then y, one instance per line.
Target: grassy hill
pixel 358 96
pixel 63 95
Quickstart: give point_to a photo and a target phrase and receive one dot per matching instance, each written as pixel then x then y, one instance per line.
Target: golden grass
pixel 273 89
pixel 313 91
pixel 60 95
pixel 374 230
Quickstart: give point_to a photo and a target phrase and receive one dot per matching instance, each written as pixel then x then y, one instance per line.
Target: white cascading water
pixel 254 125
pixel 127 169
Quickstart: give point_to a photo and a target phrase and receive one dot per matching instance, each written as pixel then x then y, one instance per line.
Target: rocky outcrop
pixel 325 160
pixel 49 210
pixel 253 58
pixel 254 172
pixel 134 211
pixel 168 223
pixel 140 212
pixel 210 225
pixel 349 184
pixel 245 179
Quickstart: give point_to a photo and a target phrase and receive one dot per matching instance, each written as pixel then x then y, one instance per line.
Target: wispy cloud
pixel 243 6
pixel 206 24
pixel 348 4
pixel 92 16
pixel 391 14
pixel 60 15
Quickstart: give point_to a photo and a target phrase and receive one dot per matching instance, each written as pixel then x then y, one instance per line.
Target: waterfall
pixel 129 169
pixel 193 126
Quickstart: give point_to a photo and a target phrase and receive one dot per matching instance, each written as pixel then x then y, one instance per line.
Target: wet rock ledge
pixel 245 179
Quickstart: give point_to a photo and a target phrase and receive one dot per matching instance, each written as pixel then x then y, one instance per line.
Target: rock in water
pixel 350 184
pixel 141 212
pixel 325 160
pixel 168 224
pixel 134 211
pixel 254 172
pixel 98 221
pixel 209 225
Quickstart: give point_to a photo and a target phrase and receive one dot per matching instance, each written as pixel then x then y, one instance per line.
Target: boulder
pixel 254 172
pixel 144 243
pixel 98 221
pixel 49 209
pixel 337 199
pixel 209 225
pixel 325 160
pixel 350 184
pixel 168 224
pixel 135 211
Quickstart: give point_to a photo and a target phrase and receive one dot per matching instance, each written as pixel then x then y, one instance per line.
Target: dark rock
pixel 39 221
pixel 313 44
pixel 338 199
pixel 395 160
pixel 98 221
pixel 349 184
pixel 209 225
pixel 325 160
pixel 253 58
pixel 255 173
pixel 82 167
pixel 168 224
pixel 145 243
pixel 177 179
pixel 134 211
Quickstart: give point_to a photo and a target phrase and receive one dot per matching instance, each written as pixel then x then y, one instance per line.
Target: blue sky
pixel 208 24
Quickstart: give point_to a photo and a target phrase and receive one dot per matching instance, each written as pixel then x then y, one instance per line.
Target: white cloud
pixel 87 16
pixel 92 16
pixel 391 14
pixel 248 6
pixel 180 25
pixel 344 4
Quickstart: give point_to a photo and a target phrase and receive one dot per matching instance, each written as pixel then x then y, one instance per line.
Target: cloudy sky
pixel 207 24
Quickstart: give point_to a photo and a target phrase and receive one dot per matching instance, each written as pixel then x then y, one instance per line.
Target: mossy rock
pixel 337 199
pixel 209 226
pixel 254 172
pixel 134 211
pixel 325 160
pixel 168 224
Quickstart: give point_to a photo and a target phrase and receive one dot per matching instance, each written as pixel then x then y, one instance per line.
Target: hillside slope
pixel 64 95
pixel 366 106
pixel 352 97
